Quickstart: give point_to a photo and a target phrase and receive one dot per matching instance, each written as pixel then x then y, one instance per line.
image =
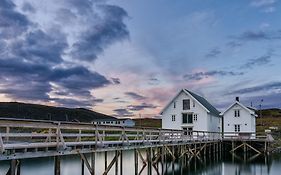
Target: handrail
pixel 61 135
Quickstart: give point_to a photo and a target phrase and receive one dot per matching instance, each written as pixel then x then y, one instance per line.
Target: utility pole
pixel 260 107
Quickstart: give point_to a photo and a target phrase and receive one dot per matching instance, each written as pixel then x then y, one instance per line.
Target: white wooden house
pixel 190 111
pixel 239 119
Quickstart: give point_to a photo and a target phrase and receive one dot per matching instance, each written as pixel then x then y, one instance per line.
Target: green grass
pixel 148 122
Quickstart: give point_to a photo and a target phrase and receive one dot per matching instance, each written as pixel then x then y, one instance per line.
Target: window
pixel 173 118
pixel 236 113
pixel 237 128
pixel 195 117
pixel 193 103
pixel 184 118
pixel 174 104
pixel 190 118
pixel 186 104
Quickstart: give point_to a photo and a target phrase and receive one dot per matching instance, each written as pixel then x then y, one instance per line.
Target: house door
pixel 184 131
pixel 187 131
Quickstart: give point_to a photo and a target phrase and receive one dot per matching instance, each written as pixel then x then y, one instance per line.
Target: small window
pixel 236 113
pixel 245 124
pixel 195 117
pixel 173 118
pixel 186 104
pixel 237 128
pixel 174 104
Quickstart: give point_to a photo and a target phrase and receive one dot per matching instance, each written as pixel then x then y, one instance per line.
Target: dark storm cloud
pixel 96 38
pixel 32 81
pixel 32 61
pixel 135 95
pixel 122 112
pixel 141 107
pixel 263 87
pixel 213 53
pixel 201 75
pixel 12 23
pixel 39 47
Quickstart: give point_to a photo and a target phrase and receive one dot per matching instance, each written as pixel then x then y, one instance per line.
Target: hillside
pixel 148 122
pixel 272 112
pixel 268 118
pixel 42 112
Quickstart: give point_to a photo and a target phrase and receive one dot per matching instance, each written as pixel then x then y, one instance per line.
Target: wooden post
pixel 121 162
pixel 82 167
pixel 57 165
pixel 162 159
pixel 13 166
pixel 136 163
pixel 149 161
pixel 116 163
pixel 93 159
pixel 18 167
pixel 105 160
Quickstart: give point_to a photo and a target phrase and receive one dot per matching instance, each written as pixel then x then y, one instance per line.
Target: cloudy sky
pixel 130 57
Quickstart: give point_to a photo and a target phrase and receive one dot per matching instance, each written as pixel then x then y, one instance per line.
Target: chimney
pixel 237 99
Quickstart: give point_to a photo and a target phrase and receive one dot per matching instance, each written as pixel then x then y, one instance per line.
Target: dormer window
pixel 236 113
pixel 186 104
pixel 173 118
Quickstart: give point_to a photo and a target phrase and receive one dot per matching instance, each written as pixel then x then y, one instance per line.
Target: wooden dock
pixel 22 139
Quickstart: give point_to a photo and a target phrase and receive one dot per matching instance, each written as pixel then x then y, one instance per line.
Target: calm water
pixel 70 165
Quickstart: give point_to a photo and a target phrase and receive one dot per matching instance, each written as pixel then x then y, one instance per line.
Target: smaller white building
pixel 239 120
pixel 127 122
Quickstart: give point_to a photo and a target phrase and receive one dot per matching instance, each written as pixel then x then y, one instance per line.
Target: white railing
pixel 29 134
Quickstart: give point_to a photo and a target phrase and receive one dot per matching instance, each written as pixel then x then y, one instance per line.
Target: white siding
pixel 203 122
pixel 246 121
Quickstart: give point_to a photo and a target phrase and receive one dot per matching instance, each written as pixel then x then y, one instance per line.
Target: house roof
pixel 205 103
pixel 202 101
pixel 240 104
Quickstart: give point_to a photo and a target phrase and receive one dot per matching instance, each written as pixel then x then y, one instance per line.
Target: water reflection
pixel 216 165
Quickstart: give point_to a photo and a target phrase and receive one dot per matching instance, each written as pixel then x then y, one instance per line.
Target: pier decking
pixel 21 139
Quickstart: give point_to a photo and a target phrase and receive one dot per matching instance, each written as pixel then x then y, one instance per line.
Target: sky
pixel 131 57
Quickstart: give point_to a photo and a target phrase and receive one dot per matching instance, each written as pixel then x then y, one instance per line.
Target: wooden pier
pixel 22 139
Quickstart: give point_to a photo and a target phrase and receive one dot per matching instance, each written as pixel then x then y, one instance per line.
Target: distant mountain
pixel 42 112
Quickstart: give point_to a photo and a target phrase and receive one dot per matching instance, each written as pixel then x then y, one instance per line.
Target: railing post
pixel 57 165
pixel 2 149
pixel 7 133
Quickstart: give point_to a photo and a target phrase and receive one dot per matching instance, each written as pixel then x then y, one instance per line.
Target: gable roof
pixel 205 103
pixel 202 101
pixel 252 112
